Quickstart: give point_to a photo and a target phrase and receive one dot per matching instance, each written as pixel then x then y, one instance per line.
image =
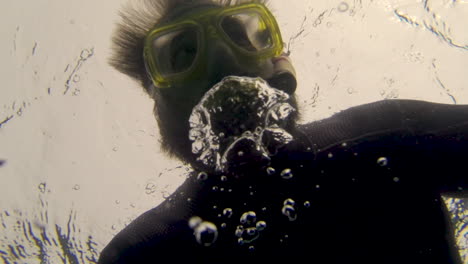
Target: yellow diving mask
pixel 177 50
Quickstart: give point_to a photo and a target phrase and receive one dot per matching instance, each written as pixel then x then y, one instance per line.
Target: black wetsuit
pixel 366 185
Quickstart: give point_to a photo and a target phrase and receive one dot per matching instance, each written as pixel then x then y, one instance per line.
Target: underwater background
pixel 79 146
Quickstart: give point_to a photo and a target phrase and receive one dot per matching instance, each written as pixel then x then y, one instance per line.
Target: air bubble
pixel 290 212
pixel 289 201
pixel 202 176
pixel 396 179
pixel 248 218
pixel 215 188
pixel 239 231
pixel 261 225
pixel 216 147
pixel 287 174
pixel 251 231
pixel 206 233
pixel 330 155
pixel 252 248
pixel 150 188
pixel 224 178
pixel 307 204
pixel 270 171
pixel 42 187
pixel 76 187
pixel 194 222
pixel 382 161
pixel 343 7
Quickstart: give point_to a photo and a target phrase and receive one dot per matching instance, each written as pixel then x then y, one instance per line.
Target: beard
pixel 238 117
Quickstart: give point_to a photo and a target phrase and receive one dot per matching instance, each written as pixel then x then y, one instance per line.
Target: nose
pixel 284 74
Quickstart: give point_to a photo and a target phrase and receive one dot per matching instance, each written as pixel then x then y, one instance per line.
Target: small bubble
pixel 240 241
pixel 189 200
pixel 206 233
pixel 76 78
pixel 344 145
pixel 350 90
pixel 270 171
pixel 132 205
pixel 307 204
pixel 289 201
pixel 343 7
pixel 248 218
pixel 329 24
pixel 113 227
pixel 224 178
pixel 290 212
pixel 117 202
pixel 396 179
pixel 202 176
pixel 215 188
pixel 252 248
pixel 382 161
pixel 251 231
pixel 150 188
pixel 240 153
pixel 115 149
pixel 76 92
pixel 317 186
pixel 223 225
pixel 287 174
pixel 76 187
pixel 215 207
pixel 330 155
pixel 42 187
pixel 84 53
pixel 194 222
pixel 239 231
pixel 261 225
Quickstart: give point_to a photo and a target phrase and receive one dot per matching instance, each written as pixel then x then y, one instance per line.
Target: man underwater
pixel 363 186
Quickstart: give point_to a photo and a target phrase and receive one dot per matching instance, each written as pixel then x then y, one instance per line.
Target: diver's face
pixel 219 60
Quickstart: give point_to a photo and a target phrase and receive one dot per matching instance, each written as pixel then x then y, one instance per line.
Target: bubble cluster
pixel 288 209
pixel 206 233
pixel 239 117
pixel 249 228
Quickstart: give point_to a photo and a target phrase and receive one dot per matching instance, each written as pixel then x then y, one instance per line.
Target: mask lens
pixel 176 51
pixel 248 30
